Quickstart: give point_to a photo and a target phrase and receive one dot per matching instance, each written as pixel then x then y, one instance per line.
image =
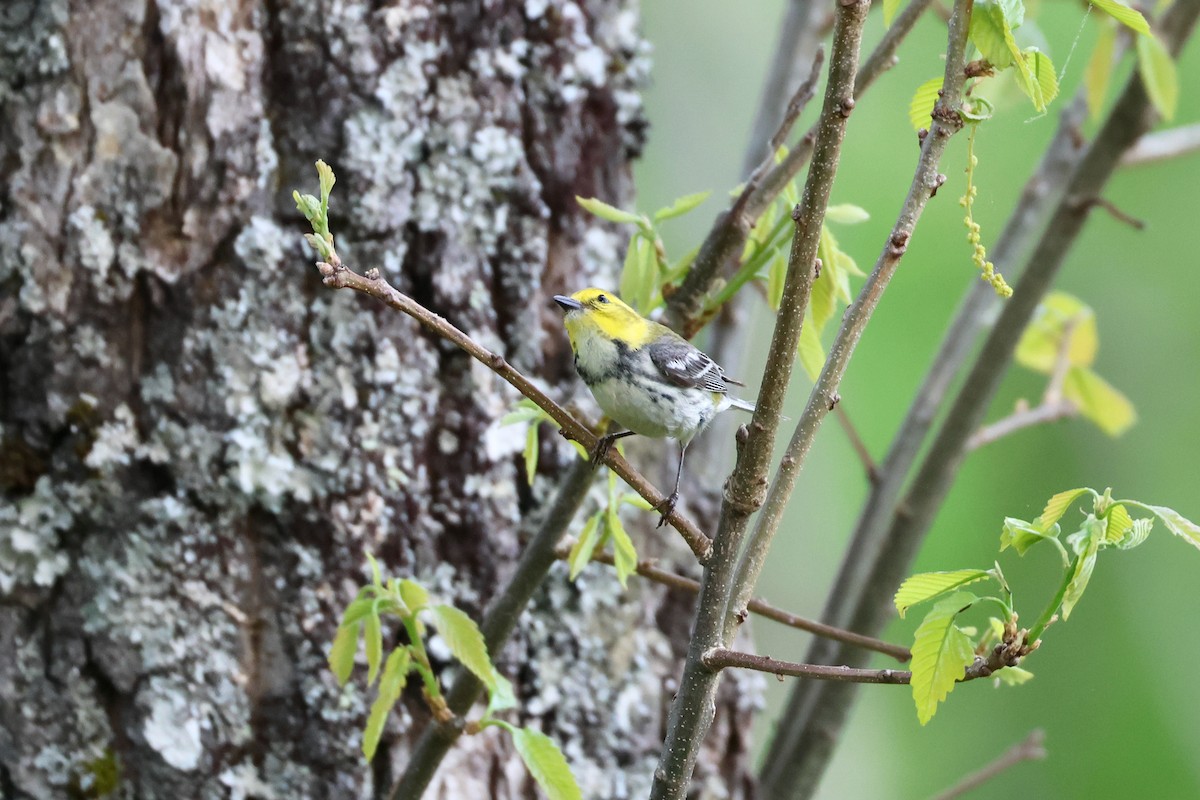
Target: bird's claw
pixel 599 453
pixel 665 508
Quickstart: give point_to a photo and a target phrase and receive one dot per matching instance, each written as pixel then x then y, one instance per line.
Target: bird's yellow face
pixel 592 311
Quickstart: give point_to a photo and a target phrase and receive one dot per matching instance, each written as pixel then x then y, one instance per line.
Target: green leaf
pixel 374 641
pixel 1137 534
pixel 890 7
pixel 360 608
pixel 1013 676
pixel 681 206
pixel 395 676
pixel 524 410
pixel 546 764
pixel 1083 571
pixel 776 276
pixel 462 636
pixel 1057 506
pixel 502 697
pixel 636 500
pixel 1157 69
pixel 920 108
pixel 414 595
pixel 846 214
pixel 326 179
pixel 1118 524
pixel 1176 523
pixel 376 576
pixel 341 654
pixel 531 453
pixel 639 277
pixel 1098 401
pixel 1044 77
pixel 1043 338
pixel 611 213
pixel 941 654
pixel 928 585
pixel 307 205
pixel 1021 535
pixel 624 553
pixel 988 33
pixel 1124 15
pixel 810 351
pixel 1098 73
pixel 585 545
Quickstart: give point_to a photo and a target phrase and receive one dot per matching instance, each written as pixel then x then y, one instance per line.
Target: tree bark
pixel 199 440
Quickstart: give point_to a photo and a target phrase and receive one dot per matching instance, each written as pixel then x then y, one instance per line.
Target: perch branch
pixel 1029 749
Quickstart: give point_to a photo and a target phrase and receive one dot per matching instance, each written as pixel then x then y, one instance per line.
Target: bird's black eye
pixel 601 299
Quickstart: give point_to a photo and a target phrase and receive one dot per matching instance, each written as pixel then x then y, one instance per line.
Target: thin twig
pixel 1001 656
pixel 497 625
pixel 339 276
pixel 693 706
pixel 1113 210
pixel 1162 145
pixel 946 121
pixel 652 572
pixel 1029 749
pixel 1022 418
pixel 857 443
pixel 815 714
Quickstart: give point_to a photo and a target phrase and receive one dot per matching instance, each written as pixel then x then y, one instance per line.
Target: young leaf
pixel 376 577
pixel 1057 506
pixel 359 608
pixel 395 676
pixel 465 641
pixel 546 764
pixel 990 31
pixel 1083 573
pixel 502 697
pixel 1123 14
pixel 941 654
pixel 928 585
pixel 1021 535
pixel 1013 676
pixel 1137 534
pixel 776 274
pixel 681 206
pixel 1118 524
pixel 920 108
pixel 604 211
pixel 1098 73
pixel 847 213
pixel 531 453
pixel 1042 340
pixel 1044 77
pixel 890 7
pixel 1158 75
pixel 374 642
pixel 1098 401
pixel 585 545
pixel 1176 523
pixel 414 595
pixel 810 351
pixel 640 273
pixel 341 654
pixel 624 553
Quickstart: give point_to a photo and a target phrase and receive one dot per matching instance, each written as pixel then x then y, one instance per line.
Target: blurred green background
pixel 1115 689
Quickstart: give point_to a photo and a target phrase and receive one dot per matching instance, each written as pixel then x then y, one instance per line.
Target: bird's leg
pixel 603 444
pixel 668 504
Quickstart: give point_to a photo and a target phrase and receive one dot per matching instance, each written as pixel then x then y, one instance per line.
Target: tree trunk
pixel 200 440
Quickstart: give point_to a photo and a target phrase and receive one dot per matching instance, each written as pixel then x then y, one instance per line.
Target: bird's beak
pixel 568 303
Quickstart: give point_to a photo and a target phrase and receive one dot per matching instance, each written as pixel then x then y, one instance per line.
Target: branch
pixel 693 707
pixel 857 443
pixel 1004 654
pixel 1160 146
pixel 651 572
pixel 1023 417
pixel 945 123
pixel 497 625
pixel 339 276
pixel 728 235
pixel 886 540
pixel 1029 749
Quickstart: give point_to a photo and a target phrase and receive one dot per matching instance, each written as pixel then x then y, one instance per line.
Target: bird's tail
pixel 744 405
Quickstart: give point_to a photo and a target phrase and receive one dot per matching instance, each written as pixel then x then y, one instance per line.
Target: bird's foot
pixel 599 453
pixel 666 507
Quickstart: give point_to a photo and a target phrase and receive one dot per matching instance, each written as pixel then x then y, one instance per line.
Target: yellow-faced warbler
pixel 645 377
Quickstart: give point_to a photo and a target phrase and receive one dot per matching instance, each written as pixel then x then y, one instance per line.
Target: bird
pixel 644 376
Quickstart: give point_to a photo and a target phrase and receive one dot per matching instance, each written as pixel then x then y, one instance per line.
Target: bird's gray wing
pixel 684 365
